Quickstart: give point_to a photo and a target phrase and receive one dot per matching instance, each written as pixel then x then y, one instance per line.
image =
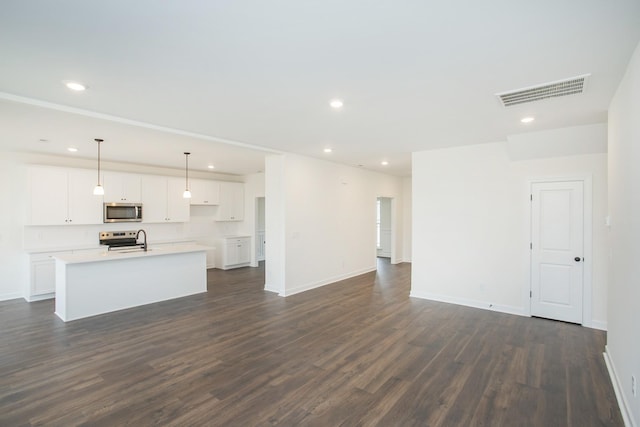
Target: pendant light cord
pixel 186 168
pixel 99 141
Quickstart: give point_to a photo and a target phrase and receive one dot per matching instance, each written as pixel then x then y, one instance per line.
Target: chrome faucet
pixel 144 244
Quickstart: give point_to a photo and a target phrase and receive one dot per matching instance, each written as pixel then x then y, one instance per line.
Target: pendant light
pixel 98 189
pixel 187 193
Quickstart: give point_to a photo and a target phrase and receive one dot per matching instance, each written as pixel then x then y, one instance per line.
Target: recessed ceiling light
pixel 336 103
pixel 328 150
pixel 527 119
pixel 384 163
pixel 211 166
pixel 78 87
pixel 72 149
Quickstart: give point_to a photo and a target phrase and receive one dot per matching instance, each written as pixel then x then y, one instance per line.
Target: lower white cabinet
pixel 42 273
pixel 42 276
pixel 233 252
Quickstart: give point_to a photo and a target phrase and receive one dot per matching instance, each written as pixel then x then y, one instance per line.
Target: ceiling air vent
pixel 572 86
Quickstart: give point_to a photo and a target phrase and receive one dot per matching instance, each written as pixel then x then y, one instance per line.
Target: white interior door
pixel 557 247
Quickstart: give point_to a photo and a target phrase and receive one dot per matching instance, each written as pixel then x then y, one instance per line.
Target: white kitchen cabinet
pixel 231 202
pixel 61 196
pixel 233 252
pixel 162 199
pixel 42 276
pixel 204 192
pixel 177 206
pixel 121 187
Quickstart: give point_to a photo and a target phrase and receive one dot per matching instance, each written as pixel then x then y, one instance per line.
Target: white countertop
pixel 132 253
pixel 98 247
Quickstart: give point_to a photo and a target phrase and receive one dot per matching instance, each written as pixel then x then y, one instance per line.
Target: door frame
pixel 394 229
pixel 391 228
pixel 254 256
pixel 587 280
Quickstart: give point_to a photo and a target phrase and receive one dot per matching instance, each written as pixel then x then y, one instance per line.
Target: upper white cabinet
pixel 204 192
pixel 122 187
pixel 231 202
pixel 177 206
pixel 162 199
pixel 60 196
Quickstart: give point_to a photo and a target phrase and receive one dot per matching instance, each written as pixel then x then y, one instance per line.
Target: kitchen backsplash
pixel 201 228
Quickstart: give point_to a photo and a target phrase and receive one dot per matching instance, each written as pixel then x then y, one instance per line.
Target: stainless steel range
pixel 123 239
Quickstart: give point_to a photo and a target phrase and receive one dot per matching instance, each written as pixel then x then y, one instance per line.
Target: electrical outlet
pixel 633 386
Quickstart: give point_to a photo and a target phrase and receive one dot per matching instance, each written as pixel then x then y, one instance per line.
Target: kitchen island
pixel 102 282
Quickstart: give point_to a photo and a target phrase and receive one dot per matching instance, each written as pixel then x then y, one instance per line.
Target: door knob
pixel 577 259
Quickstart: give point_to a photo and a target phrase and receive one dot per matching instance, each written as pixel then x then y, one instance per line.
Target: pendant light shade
pixel 98 189
pixel 187 193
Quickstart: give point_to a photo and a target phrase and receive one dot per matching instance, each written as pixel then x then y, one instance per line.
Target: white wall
pixel 329 212
pixel 275 230
pixel 623 337
pixel 470 226
pixel 569 141
pixel 12 214
pixel 407 232
pixel 253 188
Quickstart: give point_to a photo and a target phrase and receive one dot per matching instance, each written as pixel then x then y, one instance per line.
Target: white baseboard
pixel 10 295
pixel 270 288
pixel 324 282
pixel 40 297
pixel 519 311
pixel 627 416
pixel 598 324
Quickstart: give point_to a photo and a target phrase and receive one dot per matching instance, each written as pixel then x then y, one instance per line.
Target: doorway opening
pixel 384 227
pixel 260 229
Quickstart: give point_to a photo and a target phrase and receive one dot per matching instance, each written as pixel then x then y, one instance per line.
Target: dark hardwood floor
pixel 357 352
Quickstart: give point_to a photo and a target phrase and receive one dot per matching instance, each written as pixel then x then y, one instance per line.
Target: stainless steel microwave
pixel 123 212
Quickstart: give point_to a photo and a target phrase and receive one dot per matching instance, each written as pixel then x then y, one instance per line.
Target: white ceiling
pixel 413 75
